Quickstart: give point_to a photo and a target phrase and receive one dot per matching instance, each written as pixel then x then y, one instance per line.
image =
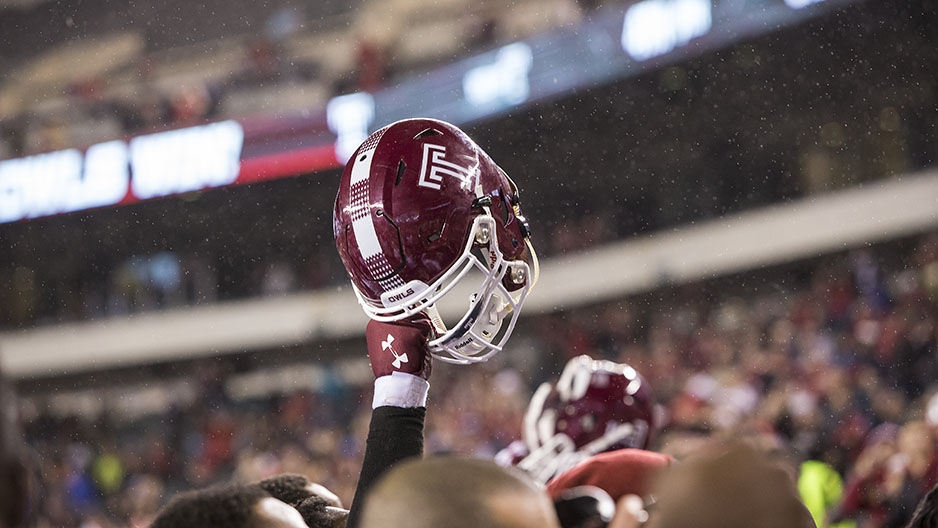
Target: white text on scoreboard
pixel 149 166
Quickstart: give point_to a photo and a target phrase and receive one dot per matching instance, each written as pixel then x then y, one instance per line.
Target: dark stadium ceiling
pixel 20 4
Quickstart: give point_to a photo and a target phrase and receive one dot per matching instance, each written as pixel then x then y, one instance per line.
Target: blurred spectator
pixel 371 65
pixel 262 65
pixel 191 105
pixel 47 134
pixel 821 487
pixel 484 33
pixel 732 486
pixel 279 278
pixel 146 108
pixel 911 472
pixel 864 499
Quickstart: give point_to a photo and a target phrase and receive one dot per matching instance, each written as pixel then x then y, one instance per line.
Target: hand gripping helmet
pixel 595 406
pixel 423 216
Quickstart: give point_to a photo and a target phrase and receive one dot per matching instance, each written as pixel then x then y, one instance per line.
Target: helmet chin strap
pixel 535 265
pixel 475 343
pixel 439 327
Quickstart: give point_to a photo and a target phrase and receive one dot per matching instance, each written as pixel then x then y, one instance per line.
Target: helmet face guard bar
pixel 493 308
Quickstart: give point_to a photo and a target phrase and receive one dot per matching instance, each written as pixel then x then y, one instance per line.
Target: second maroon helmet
pixel 423 215
pixel 595 406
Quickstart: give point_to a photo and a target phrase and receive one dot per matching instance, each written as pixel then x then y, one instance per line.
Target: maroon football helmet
pixel 422 216
pixel 595 406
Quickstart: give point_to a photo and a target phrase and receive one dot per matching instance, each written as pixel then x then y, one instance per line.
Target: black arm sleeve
pixel 395 434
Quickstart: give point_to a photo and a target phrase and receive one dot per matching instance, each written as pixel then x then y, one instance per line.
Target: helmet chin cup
pixel 493 309
pixel 471 340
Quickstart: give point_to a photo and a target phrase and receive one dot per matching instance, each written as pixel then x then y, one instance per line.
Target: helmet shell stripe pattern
pixel 363 226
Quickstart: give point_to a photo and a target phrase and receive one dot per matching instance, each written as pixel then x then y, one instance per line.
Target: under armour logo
pixel 434 167
pixel 398 359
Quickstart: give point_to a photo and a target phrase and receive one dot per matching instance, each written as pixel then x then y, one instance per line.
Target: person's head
pixel 728 486
pixel 457 493
pixel 916 439
pixel 228 506
pixel 293 488
pixel 319 507
pixel 425 221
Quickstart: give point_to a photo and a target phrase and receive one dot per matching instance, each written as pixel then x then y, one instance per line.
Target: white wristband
pixel 400 390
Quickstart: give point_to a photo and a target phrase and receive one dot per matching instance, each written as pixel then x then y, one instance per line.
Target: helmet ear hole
pixel 401 167
pixel 503 208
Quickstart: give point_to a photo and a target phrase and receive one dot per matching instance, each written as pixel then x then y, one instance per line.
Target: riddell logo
pixel 399 296
pixel 434 167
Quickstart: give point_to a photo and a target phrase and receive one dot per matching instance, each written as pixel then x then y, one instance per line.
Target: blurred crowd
pixel 834 367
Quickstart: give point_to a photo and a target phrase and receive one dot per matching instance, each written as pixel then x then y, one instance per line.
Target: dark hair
pixel 288 487
pixel 293 489
pixel 317 513
pixel 223 506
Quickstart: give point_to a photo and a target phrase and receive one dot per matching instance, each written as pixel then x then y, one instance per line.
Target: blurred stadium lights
pixel 656 27
pixel 350 118
pixel 162 164
pixel 504 83
pixel 800 4
pixel 616 44
pixel 185 160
